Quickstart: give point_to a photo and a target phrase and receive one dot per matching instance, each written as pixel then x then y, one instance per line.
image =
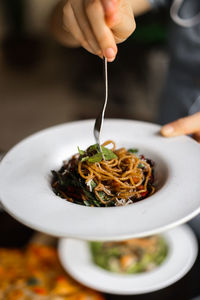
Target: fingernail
pixel 167 130
pixel 110 54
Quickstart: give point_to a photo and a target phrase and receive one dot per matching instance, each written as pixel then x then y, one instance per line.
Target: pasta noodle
pixel 122 180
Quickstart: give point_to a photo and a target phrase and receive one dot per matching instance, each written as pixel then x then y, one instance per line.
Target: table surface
pixel 14 234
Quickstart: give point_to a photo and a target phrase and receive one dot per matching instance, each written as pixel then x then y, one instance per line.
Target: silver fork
pixel 99 120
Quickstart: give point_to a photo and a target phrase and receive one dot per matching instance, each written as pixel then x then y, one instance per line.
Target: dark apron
pixel 181 95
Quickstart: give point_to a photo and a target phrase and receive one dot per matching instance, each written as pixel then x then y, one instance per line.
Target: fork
pixel 100 118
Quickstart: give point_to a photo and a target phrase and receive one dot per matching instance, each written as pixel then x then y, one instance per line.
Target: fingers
pixel 84 25
pixel 110 9
pixel 187 125
pixel 101 31
pixel 85 20
pixel 124 22
pixel 109 6
pixel 70 24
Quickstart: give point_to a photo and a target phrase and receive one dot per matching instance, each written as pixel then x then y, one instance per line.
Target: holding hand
pixel 187 125
pixel 98 25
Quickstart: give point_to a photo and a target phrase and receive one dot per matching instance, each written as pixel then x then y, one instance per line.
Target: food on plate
pixel 131 256
pixel 113 177
pixel 36 274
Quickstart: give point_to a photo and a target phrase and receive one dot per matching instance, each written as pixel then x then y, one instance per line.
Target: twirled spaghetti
pixel 119 178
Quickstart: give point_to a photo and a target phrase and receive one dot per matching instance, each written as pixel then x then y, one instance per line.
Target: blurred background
pixel 43 83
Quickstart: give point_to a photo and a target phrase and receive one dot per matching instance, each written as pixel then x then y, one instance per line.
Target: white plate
pixel 25 176
pixel 76 258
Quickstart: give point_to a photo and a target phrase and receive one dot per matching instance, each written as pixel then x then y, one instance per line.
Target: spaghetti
pixel 121 178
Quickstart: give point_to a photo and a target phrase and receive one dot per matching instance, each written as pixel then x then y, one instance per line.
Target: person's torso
pixel 185 41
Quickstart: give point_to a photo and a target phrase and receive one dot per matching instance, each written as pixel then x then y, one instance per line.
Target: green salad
pixel 131 256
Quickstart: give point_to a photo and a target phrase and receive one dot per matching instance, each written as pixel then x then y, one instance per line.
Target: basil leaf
pixel 108 154
pixel 85 158
pixel 133 150
pixel 81 152
pixel 93 148
pixel 95 158
pixel 93 155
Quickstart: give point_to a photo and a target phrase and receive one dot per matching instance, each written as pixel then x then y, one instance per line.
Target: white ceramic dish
pixel 76 258
pixel 25 176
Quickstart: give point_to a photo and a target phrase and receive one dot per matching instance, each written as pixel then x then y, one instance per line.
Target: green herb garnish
pixel 95 158
pixel 93 184
pixel 93 154
pixel 133 150
pixel 141 166
pixel 81 152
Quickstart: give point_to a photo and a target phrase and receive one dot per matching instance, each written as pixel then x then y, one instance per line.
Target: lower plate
pixel 76 258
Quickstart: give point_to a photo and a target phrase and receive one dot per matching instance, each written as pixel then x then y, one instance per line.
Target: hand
pixel 98 25
pixel 187 125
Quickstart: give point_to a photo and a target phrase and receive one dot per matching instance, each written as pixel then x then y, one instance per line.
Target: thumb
pixel 187 125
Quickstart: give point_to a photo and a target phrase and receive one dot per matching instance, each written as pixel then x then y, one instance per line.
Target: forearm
pixel 57 29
